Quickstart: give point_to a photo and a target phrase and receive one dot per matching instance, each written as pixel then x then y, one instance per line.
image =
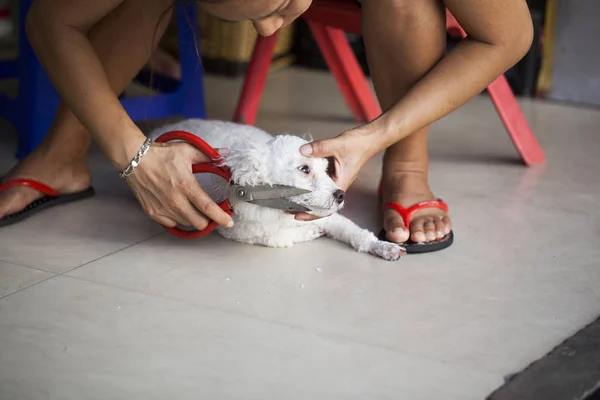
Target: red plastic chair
pixel 328 21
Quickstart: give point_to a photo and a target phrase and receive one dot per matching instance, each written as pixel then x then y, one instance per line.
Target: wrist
pixel 374 137
pixel 389 129
pixel 122 153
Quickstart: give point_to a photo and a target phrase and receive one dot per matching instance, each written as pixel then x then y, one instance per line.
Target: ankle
pixel 63 153
pixel 399 172
pixel 406 185
pixel 65 141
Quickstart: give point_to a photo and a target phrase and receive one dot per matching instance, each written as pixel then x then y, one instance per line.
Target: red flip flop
pixel 407 214
pixel 51 198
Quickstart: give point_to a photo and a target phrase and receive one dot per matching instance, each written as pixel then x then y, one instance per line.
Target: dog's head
pixel 279 162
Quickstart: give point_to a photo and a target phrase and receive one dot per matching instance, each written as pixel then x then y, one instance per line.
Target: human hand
pixel 347 152
pixel 165 186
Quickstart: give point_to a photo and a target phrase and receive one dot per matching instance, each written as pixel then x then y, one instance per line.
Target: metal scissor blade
pixel 280 204
pixel 264 192
pixel 271 196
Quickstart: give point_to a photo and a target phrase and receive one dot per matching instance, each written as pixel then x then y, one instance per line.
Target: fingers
pixel 190 215
pixel 319 149
pixel 178 199
pixel 196 156
pixel 165 221
pixel 207 206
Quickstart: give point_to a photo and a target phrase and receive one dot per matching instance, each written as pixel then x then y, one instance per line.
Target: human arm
pixel 75 43
pixel 500 33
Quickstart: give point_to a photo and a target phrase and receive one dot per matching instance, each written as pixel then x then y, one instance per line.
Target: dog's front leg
pixel 341 228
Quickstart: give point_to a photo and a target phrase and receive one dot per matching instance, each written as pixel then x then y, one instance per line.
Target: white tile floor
pixel 97 302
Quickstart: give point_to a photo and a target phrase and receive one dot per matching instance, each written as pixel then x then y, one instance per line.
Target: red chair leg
pixel 515 122
pixel 453 27
pixel 347 71
pixel 254 83
pixel 508 108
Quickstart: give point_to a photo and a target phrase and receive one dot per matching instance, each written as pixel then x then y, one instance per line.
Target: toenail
pixel 447 229
pixel 440 234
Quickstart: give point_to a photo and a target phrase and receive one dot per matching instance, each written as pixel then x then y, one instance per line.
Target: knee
pixel 523 40
pixel 31 22
pixel 39 23
pixel 517 42
pixel 406 13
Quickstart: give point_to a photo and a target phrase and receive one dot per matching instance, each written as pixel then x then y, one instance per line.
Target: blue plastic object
pixel 32 111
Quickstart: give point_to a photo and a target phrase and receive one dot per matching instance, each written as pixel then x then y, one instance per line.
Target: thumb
pixel 197 156
pixel 319 149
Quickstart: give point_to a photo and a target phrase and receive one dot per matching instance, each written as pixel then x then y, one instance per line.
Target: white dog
pixel 257 158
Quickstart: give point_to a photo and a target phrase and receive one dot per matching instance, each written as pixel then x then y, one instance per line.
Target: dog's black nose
pixel 339 196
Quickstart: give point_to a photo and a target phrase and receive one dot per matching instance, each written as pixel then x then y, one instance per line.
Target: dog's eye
pixel 305 169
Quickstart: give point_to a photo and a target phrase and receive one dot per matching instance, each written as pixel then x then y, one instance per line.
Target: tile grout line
pixel 54 275
pixel 28 286
pixel 28 266
pixel 111 253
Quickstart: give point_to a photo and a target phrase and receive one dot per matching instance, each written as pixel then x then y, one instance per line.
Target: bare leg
pixel 124 41
pixel 404 40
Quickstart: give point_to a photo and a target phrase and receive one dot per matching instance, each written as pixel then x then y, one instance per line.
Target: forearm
pixel 77 73
pixel 462 74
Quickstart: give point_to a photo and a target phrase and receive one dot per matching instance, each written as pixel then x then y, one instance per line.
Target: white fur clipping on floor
pixel 255 157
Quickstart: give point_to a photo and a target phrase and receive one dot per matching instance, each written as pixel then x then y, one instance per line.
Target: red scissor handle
pixel 209 167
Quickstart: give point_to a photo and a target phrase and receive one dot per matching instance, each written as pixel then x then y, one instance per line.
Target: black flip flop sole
pixel 421 248
pixel 44 203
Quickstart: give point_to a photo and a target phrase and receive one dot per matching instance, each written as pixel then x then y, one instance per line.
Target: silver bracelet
pixel 136 160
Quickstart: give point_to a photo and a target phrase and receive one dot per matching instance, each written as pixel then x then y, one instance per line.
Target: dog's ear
pixel 248 163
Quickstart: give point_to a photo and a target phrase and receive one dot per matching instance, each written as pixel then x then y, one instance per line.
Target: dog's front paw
pixel 387 250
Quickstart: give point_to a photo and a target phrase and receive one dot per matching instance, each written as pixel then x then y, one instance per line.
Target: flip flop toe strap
pixel 40 187
pixel 407 213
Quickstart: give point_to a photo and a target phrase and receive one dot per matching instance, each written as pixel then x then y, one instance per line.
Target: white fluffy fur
pixel 255 157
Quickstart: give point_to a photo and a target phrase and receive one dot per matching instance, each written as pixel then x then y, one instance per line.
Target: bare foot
pixel 62 175
pixel 407 187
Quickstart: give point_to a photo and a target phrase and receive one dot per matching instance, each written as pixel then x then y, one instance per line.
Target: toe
pixel 417 231
pixel 429 228
pixel 11 203
pixel 447 224
pixel 394 227
pixel 440 228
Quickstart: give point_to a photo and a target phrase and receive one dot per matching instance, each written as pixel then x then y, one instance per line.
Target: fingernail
pixel 306 150
pixel 230 224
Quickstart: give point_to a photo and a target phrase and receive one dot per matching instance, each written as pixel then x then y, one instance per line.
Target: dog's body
pixel 255 157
